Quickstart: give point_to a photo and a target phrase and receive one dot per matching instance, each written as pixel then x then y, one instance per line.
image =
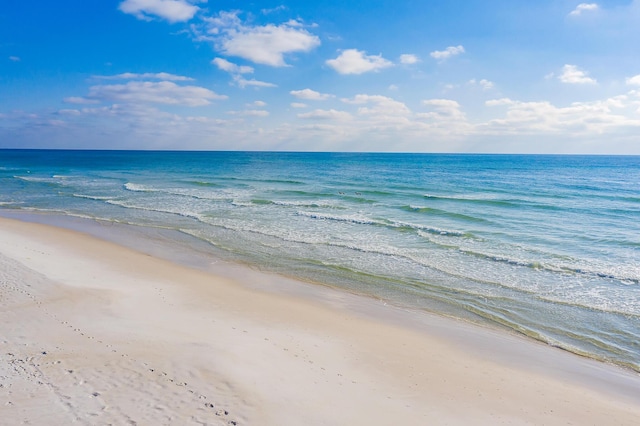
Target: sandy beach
pixel 96 333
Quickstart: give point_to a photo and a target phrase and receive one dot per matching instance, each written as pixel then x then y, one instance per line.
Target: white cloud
pixel 579 118
pixel 499 102
pixel 380 105
pixel 144 76
pixel 634 81
pixel 230 67
pixel 171 10
pixel 273 10
pixel 484 83
pixel 442 55
pixel 236 74
pixel 443 110
pixel 80 100
pixel 311 95
pixel 408 59
pixel 323 114
pixel 14 58
pixel 353 61
pixel 583 7
pixel 442 103
pixel 259 104
pixel 242 82
pixel 572 75
pixel 222 22
pixel 266 44
pixel 298 105
pixel 163 92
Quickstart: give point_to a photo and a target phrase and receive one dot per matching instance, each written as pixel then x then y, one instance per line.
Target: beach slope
pixel 96 333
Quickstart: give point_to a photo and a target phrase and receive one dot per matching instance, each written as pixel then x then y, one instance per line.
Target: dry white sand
pixel 94 333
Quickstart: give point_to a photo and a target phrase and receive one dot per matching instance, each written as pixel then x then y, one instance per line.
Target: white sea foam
pixel 129 186
pixel 359 219
pixel 92 197
pixel 35 179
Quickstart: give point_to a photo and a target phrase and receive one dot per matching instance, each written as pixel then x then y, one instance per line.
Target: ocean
pixel 545 246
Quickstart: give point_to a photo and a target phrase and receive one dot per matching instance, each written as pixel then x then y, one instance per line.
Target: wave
pixel 134 187
pixel 350 219
pixel 201 183
pixel 191 215
pixel 208 183
pixel 242 180
pixel 212 196
pixel 537 265
pixel 261 201
pixel 630 199
pixel 92 197
pixel 398 254
pixel 300 193
pixel 399 225
pixel 34 179
pixel 473 199
pixel 439 212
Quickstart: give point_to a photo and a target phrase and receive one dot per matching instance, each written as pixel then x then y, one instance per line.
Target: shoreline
pixel 265 357
pixel 189 251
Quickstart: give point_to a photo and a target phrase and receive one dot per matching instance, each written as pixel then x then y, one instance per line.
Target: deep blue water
pixel 548 246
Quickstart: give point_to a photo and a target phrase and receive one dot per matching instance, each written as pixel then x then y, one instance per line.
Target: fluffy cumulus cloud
pixel 572 75
pixel 162 92
pixel 442 110
pixel 243 82
pixel 378 105
pixel 443 55
pixel 265 44
pixel 577 119
pixel 634 81
pixel 408 59
pixel 353 61
pixel 583 7
pixel 230 67
pixel 310 95
pixel 236 72
pixel 171 10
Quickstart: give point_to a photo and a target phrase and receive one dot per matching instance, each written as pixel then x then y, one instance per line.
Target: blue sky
pixel 420 76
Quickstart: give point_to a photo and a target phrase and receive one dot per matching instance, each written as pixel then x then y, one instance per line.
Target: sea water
pixel 547 246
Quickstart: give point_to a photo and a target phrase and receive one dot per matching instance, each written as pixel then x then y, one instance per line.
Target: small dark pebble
pixel 208 404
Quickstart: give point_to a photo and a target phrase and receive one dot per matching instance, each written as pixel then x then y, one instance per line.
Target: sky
pixel 491 76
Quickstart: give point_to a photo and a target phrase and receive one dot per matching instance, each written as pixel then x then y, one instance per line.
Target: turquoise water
pixel 548 246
